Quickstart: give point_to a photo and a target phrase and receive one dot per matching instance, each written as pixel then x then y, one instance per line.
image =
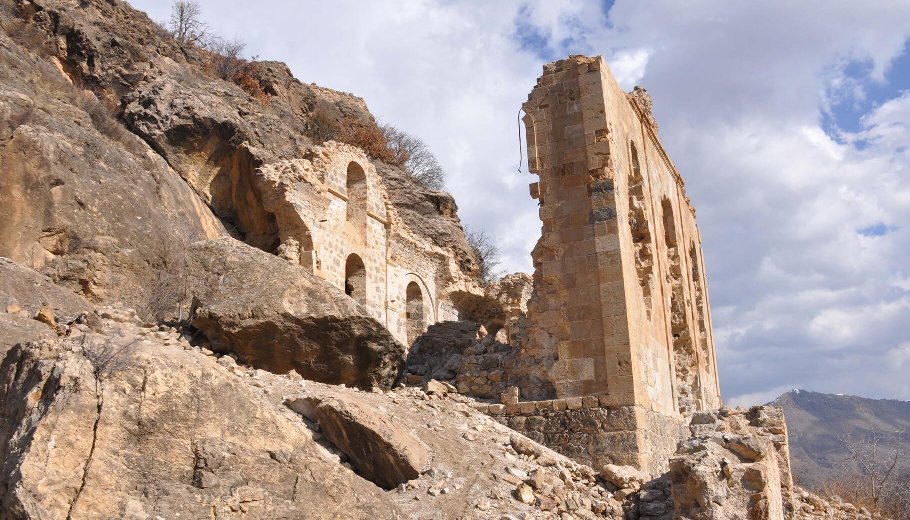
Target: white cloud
pixel 801 297
pixel 628 66
pixel 754 398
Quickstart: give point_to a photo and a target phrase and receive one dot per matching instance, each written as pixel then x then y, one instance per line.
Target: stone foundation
pixel 595 434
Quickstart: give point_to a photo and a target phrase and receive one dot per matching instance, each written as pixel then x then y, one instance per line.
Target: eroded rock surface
pixel 127 421
pixel 277 316
pixel 124 420
pixel 32 307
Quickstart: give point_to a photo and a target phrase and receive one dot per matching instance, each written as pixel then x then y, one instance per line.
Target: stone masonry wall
pixel 590 432
pixel 620 306
pixel 332 207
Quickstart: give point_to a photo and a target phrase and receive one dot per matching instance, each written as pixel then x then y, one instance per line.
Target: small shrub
pixel 247 79
pixel 322 127
pixel 369 138
pixel 224 61
pixel 107 357
pixel 224 57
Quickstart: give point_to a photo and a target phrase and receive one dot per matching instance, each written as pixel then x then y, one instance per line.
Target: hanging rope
pixel 520 156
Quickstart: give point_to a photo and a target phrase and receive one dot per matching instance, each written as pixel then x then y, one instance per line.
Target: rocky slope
pixel 817 422
pixel 118 148
pixel 116 418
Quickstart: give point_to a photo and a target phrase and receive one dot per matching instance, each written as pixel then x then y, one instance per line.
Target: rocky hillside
pixel 118 147
pixel 817 423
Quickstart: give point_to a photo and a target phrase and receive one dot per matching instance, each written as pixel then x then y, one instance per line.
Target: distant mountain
pixel 817 421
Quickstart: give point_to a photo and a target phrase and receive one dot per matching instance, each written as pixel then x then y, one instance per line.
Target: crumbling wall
pixel 332 213
pixel 736 464
pixel 593 433
pixel 619 306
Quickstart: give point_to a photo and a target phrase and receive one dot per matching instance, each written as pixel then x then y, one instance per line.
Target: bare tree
pixel 185 23
pixel 871 473
pixel 415 157
pixel 487 254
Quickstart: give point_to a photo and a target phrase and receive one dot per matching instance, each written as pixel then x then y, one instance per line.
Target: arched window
pixel 414 311
pixel 355 279
pixel 357 193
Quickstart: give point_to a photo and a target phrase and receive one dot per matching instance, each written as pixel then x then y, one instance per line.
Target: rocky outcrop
pixel 378 448
pixel 277 316
pixel 125 420
pixel 81 199
pixel 32 307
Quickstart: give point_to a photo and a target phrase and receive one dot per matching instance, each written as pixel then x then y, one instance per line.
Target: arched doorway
pixel 414 311
pixel 355 279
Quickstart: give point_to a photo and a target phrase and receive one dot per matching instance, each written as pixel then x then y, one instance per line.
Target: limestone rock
pixel 624 476
pixel 34 305
pixel 81 442
pixel 379 449
pixel 435 387
pixel 279 317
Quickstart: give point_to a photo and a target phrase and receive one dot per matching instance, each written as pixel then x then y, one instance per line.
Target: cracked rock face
pixel 279 317
pixel 125 420
pixel 158 430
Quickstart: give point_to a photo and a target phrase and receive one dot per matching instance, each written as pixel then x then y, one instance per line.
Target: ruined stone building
pixel 613 348
pixel 619 321
pixel 333 217
pixel 620 301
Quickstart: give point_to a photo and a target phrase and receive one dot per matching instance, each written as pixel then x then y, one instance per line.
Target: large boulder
pixel 279 317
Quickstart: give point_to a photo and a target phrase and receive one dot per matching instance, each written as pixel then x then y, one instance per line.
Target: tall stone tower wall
pixel 620 308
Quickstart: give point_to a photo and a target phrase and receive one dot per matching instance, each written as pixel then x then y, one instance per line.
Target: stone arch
pixel 357 194
pixel 415 320
pixel 355 278
pixel 642 246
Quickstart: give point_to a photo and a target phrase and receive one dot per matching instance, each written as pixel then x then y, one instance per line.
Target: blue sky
pixel 788 120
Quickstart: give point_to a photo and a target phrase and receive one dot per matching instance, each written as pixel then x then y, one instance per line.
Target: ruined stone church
pixel 612 347
pixel 619 276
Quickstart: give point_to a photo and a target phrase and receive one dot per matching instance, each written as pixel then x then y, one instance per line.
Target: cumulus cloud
pixel 803 214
